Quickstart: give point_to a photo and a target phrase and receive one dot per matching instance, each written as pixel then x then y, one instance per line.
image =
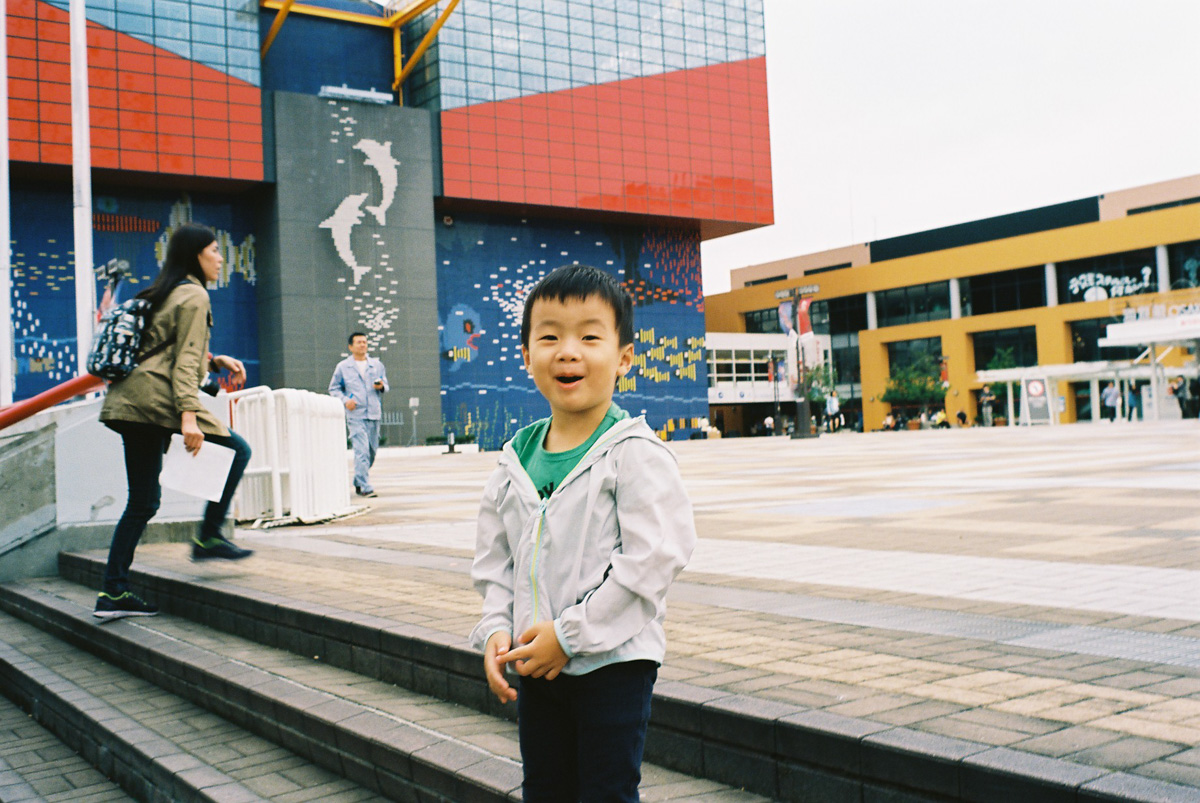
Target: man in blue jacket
pixel 359 381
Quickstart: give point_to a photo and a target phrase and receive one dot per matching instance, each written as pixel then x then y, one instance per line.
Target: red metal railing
pixel 47 399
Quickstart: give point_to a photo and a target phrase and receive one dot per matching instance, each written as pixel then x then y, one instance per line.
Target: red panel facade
pixel 150 109
pixel 691 144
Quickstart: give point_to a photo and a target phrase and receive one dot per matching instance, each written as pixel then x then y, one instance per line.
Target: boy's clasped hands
pixel 540 655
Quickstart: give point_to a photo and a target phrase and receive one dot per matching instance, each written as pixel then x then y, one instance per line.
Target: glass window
pixel 533 83
pixel 844 355
pixel 1004 291
pixel 835 316
pixel 477 24
pixel 763 320
pixel 1184 262
pixel 1107 276
pixel 922 302
pixel 1085 342
pixel 1016 348
pixel 908 352
pixel 172 9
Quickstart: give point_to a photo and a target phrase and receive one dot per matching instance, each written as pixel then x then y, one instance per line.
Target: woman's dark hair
pixel 582 282
pixel 182 260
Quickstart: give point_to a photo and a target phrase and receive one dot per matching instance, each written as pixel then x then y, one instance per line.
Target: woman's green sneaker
pixel 115 606
pixel 218 549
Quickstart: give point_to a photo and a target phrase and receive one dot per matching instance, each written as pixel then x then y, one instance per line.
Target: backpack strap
pixel 157 349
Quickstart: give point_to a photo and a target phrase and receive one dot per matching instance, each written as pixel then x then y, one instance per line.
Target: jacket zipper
pixel 537 541
pixel 537 550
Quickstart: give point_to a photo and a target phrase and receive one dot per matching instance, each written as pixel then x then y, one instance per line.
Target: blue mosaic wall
pixel 129 229
pixel 486 268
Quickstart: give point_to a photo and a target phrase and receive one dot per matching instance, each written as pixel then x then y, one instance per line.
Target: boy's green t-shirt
pixel 548 469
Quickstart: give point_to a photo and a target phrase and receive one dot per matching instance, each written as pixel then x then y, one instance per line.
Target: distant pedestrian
pixel 582 529
pixel 833 411
pixel 1109 398
pixel 161 397
pixel 1133 403
pixel 360 382
pixel 987 400
pixel 769 425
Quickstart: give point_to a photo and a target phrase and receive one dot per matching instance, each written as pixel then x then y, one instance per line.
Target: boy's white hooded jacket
pixel 596 557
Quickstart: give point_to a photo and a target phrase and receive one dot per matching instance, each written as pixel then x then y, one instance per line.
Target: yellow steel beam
pixel 280 16
pixel 326 13
pixel 425 43
pixel 398 54
pixel 405 15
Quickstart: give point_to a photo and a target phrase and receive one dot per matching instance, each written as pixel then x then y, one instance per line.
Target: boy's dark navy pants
pixel 582 735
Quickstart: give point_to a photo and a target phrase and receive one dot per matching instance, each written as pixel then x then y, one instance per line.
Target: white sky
pixel 891 117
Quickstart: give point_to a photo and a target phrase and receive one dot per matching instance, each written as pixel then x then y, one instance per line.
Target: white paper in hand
pixel 202 474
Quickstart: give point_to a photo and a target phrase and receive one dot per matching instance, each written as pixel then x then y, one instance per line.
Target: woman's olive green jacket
pixel 167 384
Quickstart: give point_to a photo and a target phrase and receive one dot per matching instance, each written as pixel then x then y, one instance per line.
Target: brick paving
pixel 35 765
pixel 1028 588
pixel 259 765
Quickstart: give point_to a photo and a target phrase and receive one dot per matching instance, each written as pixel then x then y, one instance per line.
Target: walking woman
pixel 161 397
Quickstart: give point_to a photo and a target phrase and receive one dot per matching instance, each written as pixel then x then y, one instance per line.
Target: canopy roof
pixel 1084 371
pixel 1174 330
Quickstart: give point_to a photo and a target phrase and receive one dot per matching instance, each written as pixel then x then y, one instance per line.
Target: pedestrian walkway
pixel 1028 588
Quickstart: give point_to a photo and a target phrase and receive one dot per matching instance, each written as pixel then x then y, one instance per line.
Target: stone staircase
pixel 232 697
pixel 35 765
pixel 238 694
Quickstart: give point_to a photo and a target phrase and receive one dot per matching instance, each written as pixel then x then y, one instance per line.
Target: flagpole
pixel 81 165
pixel 8 351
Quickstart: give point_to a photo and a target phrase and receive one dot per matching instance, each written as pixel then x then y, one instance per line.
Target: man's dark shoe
pixel 217 549
pixel 365 494
pixel 117 606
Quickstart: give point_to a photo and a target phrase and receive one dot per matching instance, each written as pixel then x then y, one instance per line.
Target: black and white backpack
pixel 118 338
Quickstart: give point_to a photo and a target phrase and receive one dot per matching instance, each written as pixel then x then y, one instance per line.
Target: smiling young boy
pixel 583 526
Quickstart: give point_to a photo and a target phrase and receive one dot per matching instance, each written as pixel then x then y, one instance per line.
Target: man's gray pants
pixel 364 437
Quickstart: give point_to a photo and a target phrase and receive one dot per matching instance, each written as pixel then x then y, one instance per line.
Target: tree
pixel 1003 358
pixel 917 384
pixel 821 380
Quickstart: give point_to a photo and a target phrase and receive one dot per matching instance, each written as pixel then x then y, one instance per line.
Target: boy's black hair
pixel 582 282
pixel 350 340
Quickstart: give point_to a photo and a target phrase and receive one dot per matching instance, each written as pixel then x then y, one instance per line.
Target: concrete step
pixel 776 750
pixel 398 742
pixel 154 744
pixel 36 765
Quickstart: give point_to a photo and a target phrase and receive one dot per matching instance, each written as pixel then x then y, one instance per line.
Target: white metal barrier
pixel 299 469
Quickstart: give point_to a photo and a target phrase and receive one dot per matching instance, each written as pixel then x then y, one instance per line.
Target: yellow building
pixel 1037 286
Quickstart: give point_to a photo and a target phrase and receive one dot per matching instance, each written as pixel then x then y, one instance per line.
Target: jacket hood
pixel 621 431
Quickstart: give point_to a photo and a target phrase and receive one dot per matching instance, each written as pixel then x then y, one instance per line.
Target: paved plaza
pixel 1037 589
